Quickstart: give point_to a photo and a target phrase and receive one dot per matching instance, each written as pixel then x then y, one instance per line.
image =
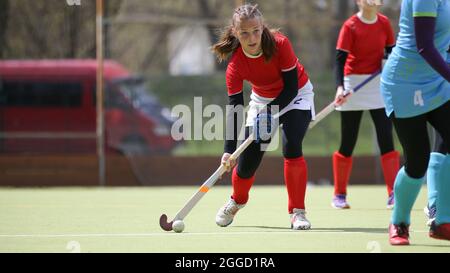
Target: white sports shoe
pixel 299 221
pixel 225 215
pixel 430 213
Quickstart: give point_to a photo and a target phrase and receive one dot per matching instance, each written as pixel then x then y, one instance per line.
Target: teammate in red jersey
pixel 264 58
pixel 364 39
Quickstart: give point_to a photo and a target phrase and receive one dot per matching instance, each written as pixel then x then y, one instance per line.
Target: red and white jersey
pixel 365 43
pixel 265 77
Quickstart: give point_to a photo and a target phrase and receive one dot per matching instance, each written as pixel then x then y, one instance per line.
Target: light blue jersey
pixel 409 85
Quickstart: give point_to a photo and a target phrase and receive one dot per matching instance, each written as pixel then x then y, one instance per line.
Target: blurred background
pixel 157 56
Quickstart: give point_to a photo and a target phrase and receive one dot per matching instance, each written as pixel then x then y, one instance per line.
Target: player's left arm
pixel 289 91
pixel 265 119
pixel 425 14
pixel 425 45
pixel 289 73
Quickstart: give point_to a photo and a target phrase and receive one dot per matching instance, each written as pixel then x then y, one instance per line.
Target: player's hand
pixel 262 126
pixel 341 96
pixel 228 162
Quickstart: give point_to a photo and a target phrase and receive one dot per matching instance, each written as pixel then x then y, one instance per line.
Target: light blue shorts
pixel 410 87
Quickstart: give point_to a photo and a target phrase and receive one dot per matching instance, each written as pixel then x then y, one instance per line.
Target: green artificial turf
pixel 127 220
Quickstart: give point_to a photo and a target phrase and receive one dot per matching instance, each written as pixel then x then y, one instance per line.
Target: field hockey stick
pixel 204 188
pixel 330 107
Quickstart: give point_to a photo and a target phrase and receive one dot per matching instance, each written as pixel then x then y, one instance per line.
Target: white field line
pixel 158 234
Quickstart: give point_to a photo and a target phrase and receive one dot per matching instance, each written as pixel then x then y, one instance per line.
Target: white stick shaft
pixel 330 107
pixel 322 114
pixel 199 194
pixel 204 188
pixel 242 147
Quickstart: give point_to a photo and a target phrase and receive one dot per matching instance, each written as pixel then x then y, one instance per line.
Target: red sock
pixel 390 163
pixel 295 178
pixel 241 187
pixel 342 167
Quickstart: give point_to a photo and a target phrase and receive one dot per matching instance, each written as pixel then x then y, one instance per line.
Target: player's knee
pixel 347 152
pixel 347 146
pixel 416 174
pixel 245 172
pixel 385 143
pixel 384 149
pixel 292 151
pixel 416 170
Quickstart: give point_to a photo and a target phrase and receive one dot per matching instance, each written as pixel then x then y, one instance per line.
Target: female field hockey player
pixel 265 58
pixel 415 85
pixel 364 39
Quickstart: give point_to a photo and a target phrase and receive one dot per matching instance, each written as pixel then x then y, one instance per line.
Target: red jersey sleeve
pixel 345 40
pixel 235 83
pixel 288 59
pixel 390 40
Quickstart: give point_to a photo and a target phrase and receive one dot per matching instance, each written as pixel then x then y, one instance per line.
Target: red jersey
pixel 365 44
pixel 265 77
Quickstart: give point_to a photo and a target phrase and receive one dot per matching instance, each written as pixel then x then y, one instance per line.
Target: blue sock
pixel 434 167
pixel 443 193
pixel 406 190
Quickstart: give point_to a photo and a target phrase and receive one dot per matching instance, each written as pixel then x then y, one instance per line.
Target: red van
pixel 49 106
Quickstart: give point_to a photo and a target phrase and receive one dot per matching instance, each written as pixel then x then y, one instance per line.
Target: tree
pixel 48 29
pixel 4 11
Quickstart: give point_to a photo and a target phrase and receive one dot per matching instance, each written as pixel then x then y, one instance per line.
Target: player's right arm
pixel 234 113
pixel 343 47
pixel 341 58
pixel 233 125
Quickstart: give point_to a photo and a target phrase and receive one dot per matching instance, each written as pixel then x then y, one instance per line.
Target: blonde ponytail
pixel 226 45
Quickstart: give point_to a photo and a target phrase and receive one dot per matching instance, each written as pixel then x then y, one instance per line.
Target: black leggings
pixel 439 145
pixel 295 123
pixel 413 135
pixel 350 122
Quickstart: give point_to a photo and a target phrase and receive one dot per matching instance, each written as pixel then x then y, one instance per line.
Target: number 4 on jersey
pixel 418 99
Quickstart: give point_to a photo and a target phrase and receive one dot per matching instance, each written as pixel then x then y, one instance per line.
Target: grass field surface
pixel 127 220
